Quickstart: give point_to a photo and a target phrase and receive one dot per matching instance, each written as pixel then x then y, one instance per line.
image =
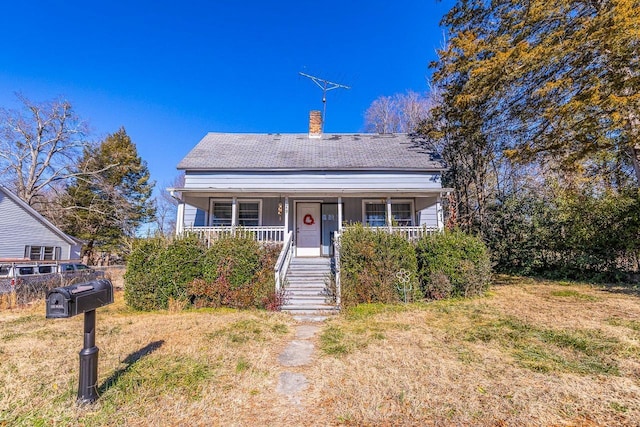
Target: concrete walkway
pixel 297 353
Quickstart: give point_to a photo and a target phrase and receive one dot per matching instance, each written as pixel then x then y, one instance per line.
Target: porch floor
pixel 306 287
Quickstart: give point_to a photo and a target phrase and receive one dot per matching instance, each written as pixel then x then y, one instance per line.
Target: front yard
pixel 529 353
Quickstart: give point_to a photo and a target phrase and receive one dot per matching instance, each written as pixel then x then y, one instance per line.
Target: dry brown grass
pixel 530 353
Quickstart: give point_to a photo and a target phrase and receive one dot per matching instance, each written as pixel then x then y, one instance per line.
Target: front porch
pixel 308 224
pixel 313 219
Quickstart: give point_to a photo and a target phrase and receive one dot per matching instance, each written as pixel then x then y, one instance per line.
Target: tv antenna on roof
pixel 326 86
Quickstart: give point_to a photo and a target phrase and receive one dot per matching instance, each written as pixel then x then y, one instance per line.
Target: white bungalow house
pixel 309 184
pixel 27 235
pixel 300 189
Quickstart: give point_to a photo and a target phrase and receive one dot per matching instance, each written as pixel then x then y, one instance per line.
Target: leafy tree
pixel 538 121
pixel 558 82
pixel 111 204
pixel 39 147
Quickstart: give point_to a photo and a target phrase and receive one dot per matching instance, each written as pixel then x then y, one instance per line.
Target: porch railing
pixel 260 234
pixel 410 232
pixel 282 264
pixel 336 259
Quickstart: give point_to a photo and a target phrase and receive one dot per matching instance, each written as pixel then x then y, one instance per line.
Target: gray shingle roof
pixel 243 151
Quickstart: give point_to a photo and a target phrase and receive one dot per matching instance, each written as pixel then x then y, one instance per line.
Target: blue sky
pixel 170 72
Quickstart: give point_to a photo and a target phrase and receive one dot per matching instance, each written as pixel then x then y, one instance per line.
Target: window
pixel 4 270
pixel 221 213
pixel 248 213
pixel 24 271
pixel 375 213
pixel 401 213
pixel 42 253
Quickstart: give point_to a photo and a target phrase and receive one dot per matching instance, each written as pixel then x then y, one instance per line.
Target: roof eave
pixel 369 169
pixel 39 217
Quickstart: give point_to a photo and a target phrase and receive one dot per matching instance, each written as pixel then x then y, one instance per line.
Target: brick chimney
pixel 315 124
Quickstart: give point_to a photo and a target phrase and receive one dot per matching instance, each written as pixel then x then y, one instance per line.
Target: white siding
pixel 194 217
pixel 314 181
pixel 429 216
pixel 19 229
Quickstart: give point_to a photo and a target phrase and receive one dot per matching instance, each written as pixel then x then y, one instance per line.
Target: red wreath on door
pixel 308 220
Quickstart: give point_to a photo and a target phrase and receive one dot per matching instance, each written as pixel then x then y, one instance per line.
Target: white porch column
pixel 234 211
pixel 286 216
pixel 180 219
pixel 340 213
pixel 439 215
pixel 389 217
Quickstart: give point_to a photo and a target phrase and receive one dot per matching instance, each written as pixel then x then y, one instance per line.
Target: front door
pixel 308 229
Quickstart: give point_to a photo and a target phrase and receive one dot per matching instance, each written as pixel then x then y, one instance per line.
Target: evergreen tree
pixel 114 199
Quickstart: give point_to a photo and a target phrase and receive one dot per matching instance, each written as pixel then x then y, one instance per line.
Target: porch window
pixel 374 214
pixel 42 253
pixel 249 214
pixel 401 213
pixel 221 214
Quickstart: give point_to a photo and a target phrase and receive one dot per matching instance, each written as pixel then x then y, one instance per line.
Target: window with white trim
pixel 221 214
pixel 401 213
pixel 248 213
pixel 42 253
pixel 375 213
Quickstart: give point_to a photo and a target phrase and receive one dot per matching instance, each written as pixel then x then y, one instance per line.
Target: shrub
pixel 140 290
pixel 158 270
pixel 238 273
pixel 452 264
pixel 237 258
pixel 369 262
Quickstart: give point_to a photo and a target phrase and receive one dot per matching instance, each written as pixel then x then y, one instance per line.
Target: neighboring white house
pixel 25 234
pixel 309 184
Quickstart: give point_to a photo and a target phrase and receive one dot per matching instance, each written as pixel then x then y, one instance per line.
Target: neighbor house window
pixel 248 213
pixel 42 253
pixel 375 213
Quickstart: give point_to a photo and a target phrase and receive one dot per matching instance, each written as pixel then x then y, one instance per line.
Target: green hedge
pixel 370 260
pixel 441 265
pixel 158 271
pixel 238 272
pixel 233 272
pixel 453 264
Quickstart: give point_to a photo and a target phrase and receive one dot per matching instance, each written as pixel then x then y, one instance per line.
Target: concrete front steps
pixel 306 289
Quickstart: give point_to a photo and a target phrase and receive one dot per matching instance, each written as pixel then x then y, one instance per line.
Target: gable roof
pixel 28 209
pixel 296 151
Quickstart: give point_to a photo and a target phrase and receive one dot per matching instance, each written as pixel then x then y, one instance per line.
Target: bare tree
pixel 400 113
pixel 39 146
pixel 166 207
pixel 382 116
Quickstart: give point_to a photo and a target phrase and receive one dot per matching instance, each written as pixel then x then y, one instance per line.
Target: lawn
pixel 528 353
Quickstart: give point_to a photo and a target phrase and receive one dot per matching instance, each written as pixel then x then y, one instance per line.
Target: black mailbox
pixel 71 300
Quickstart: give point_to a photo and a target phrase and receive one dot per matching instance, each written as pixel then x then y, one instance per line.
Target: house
pixel 304 187
pixel 28 235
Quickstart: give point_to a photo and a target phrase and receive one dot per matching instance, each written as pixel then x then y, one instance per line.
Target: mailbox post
pixel 84 298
